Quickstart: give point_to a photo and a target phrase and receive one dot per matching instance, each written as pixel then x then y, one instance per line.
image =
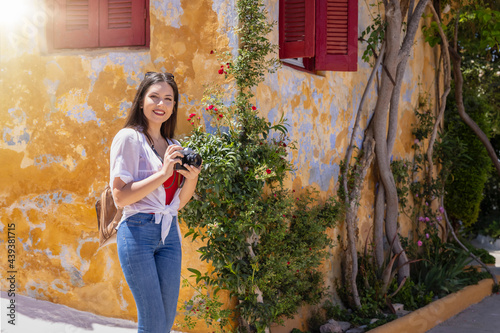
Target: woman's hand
pixel 191 176
pixel 191 173
pixel 171 157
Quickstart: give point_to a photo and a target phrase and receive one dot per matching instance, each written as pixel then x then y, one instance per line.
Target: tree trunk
pixel 352 198
pixel 351 269
pixel 395 65
pixel 447 88
pixel 393 40
pixel 378 225
pixel 459 82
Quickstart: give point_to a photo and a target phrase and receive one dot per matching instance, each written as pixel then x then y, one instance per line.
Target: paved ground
pixel 35 316
pixel 483 317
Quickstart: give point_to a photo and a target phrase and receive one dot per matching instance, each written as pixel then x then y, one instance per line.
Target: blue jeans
pixel 152 270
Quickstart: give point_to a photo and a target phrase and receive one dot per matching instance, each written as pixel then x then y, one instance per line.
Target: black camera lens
pixel 190 157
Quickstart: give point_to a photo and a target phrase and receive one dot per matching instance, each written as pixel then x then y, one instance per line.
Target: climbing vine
pixel 265 242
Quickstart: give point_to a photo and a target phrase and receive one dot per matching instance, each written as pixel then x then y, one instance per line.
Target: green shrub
pixel 443 268
pixel 413 296
pixel 466 164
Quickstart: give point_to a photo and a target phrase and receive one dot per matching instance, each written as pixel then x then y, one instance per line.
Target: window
pixel 319 35
pixel 99 23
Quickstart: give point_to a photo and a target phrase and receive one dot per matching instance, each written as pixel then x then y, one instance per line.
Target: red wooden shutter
pixel 296 28
pixel 76 24
pixel 337 35
pixel 122 23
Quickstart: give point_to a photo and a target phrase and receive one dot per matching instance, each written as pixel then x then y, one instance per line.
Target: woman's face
pixel 158 103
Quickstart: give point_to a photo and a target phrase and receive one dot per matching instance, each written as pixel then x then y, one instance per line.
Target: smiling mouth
pixel 159 112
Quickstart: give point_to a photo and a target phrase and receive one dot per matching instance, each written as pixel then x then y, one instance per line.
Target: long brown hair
pixel 136 118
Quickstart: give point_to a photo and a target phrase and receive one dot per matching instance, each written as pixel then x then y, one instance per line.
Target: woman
pixel 151 191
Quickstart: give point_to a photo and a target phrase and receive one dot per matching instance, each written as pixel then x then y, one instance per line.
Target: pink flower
pixel 192 115
pixel 416 141
pixel 192 123
pixel 439 218
pixel 416 195
pixel 284 215
pixel 441 209
pixel 268 171
pixel 427 219
pixel 427 236
pixel 199 118
pixel 419 243
pixel 426 203
pixel 421 219
pixel 210 107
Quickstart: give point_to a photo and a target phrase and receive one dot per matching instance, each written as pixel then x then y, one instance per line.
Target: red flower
pixel 192 115
pixel 268 171
pixel 310 249
pixel 189 119
pixel 212 52
pixel 228 64
pixel 284 145
pixel 211 107
pixel 215 109
pixel 221 115
pixel 221 71
pixel 192 123
pixel 254 108
pixel 221 66
pixel 297 271
pixel 293 216
pixel 288 263
pixel 284 215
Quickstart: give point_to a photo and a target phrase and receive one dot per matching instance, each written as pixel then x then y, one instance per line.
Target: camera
pixel 190 157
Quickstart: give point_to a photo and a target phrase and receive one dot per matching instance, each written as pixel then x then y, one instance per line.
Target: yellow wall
pixel 60 111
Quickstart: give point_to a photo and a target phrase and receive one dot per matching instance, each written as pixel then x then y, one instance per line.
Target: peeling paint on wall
pixel 61 110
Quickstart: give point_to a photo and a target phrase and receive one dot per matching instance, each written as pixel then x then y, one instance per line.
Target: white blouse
pixel 132 159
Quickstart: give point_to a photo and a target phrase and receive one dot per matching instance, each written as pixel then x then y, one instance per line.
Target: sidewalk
pixel 36 316
pixel 483 317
